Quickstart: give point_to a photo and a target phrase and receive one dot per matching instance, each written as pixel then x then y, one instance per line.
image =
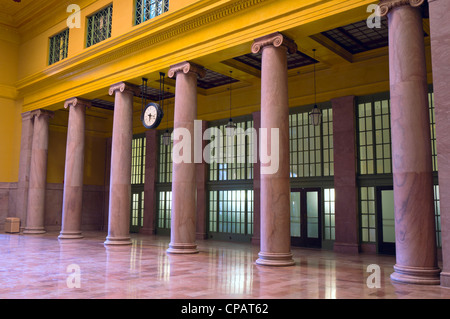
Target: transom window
pixel 59 45
pixel 311 147
pixel 138 160
pixel 374 134
pixel 165 161
pixel 148 9
pixel 232 159
pixel 99 26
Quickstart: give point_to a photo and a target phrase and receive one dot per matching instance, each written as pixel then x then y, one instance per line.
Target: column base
pixel 117 241
pixel 416 275
pixel 180 248
pixel 275 259
pixel 70 235
pixel 34 230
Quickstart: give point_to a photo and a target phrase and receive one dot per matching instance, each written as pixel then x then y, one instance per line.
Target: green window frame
pixel 237 160
pixel 374 134
pixel 433 130
pixel 99 26
pixel 58 47
pixel 165 161
pixel 329 214
pixel 137 208
pixel 138 148
pixel 437 215
pixel 231 211
pixel 148 9
pixel 311 147
pixel 164 209
pixel 368 214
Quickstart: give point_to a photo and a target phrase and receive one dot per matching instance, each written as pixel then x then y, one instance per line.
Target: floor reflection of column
pixel 117 272
pixel 72 273
pixel 234 272
pixel 330 279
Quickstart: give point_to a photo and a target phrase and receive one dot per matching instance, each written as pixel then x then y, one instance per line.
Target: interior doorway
pixel 306 221
pixel 385 220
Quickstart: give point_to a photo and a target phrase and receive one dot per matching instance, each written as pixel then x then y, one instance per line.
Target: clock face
pixel 152 115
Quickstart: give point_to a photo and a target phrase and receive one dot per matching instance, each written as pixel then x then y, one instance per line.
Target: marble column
pixel 38 173
pixel 439 11
pixel 275 241
pixel 151 169
pixel 24 167
pixel 415 233
pixel 74 170
pixel 344 148
pixel 120 176
pixel 184 197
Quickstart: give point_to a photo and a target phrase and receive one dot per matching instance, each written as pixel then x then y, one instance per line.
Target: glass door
pixel 305 217
pixel 386 220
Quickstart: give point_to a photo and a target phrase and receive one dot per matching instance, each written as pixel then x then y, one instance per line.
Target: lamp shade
pixel 166 138
pixel 230 128
pixel 315 116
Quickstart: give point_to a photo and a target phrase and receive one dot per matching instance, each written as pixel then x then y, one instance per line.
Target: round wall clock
pixel 152 115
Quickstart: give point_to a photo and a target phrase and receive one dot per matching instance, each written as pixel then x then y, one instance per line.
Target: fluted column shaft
pixel 38 173
pixel 184 196
pixel 74 169
pixel 120 177
pixel 415 233
pixel 275 238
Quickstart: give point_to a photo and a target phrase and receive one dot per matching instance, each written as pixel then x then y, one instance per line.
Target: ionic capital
pixel 76 101
pixel 276 39
pixel 386 5
pixel 186 67
pixel 26 116
pixel 125 87
pixel 42 112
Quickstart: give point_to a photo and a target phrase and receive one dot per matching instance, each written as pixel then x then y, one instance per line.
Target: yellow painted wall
pixel 10 119
pixel 95 148
pixel 10 126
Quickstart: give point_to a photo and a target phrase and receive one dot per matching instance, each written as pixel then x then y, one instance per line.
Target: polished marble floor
pixel 42 267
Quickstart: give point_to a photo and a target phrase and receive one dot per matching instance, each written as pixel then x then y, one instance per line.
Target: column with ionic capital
pixel 184 195
pixel 120 176
pixel 415 233
pixel 74 169
pixel 275 238
pixel 38 173
pixel 23 182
